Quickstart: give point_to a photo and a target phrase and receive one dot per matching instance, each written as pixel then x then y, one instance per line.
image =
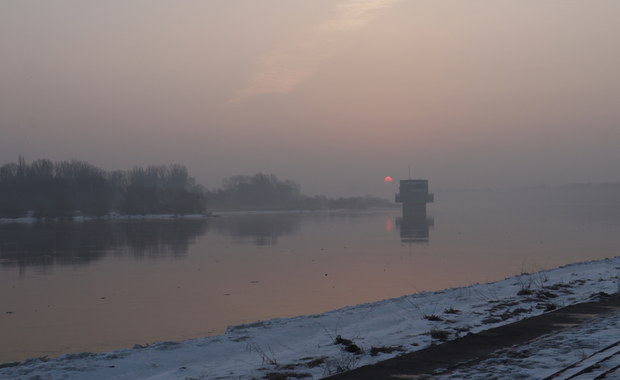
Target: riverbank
pixel 32 219
pixel 211 214
pixel 589 333
pixel 320 345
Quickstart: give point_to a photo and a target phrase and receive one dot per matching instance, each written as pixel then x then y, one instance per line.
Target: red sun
pixel 388 179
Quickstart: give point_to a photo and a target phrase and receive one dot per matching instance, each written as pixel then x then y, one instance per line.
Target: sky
pixel 333 94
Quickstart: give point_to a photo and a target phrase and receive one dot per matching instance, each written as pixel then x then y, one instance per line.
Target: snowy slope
pixel 306 346
pixel 582 352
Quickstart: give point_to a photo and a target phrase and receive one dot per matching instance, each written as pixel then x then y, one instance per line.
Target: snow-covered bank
pixel 114 216
pixel 319 345
pixel 582 352
pixel 29 219
pixel 32 219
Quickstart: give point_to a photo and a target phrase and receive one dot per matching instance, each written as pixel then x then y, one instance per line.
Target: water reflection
pixel 415 225
pixel 259 229
pixel 44 245
pixel 47 244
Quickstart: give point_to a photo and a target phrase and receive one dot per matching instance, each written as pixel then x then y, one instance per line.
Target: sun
pixel 388 179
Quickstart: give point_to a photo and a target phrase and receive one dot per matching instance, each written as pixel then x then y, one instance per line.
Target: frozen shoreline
pixel 207 215
pixel 305 345
pixel 111 217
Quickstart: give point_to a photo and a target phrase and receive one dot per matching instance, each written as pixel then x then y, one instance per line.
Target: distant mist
pixel 332 94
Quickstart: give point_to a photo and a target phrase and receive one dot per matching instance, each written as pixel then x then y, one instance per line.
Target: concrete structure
pixel 414 225
pixel 414 193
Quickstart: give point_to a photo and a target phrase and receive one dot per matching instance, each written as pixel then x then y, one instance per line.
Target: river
pixel 101 285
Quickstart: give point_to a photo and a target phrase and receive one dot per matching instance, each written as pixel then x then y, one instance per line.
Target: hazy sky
pixel 334 94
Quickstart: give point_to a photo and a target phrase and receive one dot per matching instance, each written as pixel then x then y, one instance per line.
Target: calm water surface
pixel 95 286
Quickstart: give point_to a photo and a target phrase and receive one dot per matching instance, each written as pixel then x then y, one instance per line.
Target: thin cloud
pixel 282 70
pixel 354 14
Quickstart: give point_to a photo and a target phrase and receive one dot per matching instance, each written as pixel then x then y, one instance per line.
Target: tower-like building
pixel 414 224
pixel 414 195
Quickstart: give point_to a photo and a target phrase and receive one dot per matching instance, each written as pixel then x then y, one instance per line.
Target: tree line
pixel 267 192
pixel 66 188
pixel 46 189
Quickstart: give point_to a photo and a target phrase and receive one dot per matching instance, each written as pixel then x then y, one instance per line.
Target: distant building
pixel 414 224
pixel 414 192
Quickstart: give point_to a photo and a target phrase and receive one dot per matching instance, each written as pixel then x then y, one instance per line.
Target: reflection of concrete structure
pixel 414 225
